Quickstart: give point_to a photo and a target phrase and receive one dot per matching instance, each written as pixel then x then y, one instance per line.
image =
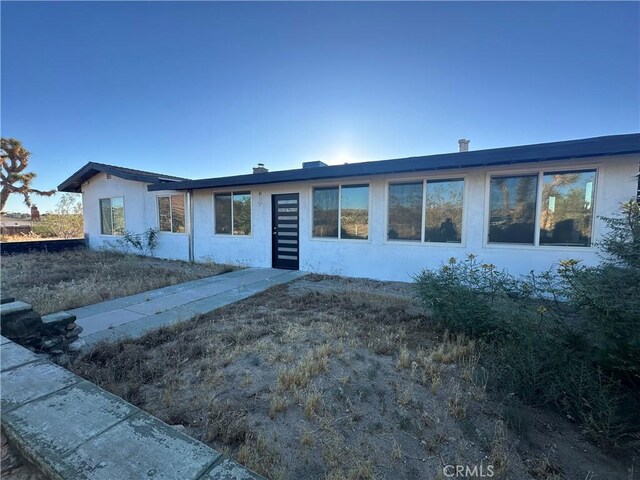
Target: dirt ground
pixel 335 378
pixel 52 282
pixel 14 467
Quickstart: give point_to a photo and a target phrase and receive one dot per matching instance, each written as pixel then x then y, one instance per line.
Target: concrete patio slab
pixel 32 381
pixel 56 424
pixel 139 447
pixel 13 355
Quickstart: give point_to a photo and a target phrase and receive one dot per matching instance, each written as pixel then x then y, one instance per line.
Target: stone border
pixel 70 428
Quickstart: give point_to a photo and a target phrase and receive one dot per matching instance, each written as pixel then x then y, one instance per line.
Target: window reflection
pixel 567 208
pixel 405 211
pixel 513 209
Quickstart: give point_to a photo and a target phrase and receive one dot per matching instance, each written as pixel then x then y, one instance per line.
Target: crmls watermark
pixel 468 471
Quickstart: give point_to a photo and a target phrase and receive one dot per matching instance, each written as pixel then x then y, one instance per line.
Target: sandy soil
pixel 339 378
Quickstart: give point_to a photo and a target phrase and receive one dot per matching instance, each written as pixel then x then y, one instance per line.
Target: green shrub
pixel 607 297
pixel 570 339
pixel 142 243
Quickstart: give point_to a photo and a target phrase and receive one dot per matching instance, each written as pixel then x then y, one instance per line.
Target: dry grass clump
pixel 499 452
pixel 453 348
pixel 312 403
pixel 261 455
pixel 75 278
pixel 404 359
pixel 457 404
pixel 543 468
pixel 313 364
pixel 224 422
pixel 306 437
pixel 278 404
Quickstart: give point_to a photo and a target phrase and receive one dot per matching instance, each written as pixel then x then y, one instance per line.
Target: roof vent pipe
pixel 463 145
pixel 260 168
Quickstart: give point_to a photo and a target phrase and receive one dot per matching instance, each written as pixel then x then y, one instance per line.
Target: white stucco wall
pixel 140 213
pixel 388 260
pixel 377 257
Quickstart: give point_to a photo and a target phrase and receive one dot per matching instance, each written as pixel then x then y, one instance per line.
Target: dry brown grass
pixel 312 365
pixel 404 358
pixel 499 453
pixel 345 384
pixel 58 281
pixel 453 348
pixel 278 404
pixel 457 404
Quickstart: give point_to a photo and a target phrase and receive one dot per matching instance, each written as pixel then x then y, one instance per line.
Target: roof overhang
pixel 566 150
pixel 73 184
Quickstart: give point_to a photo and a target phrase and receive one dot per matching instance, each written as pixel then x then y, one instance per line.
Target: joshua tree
pixel 15 159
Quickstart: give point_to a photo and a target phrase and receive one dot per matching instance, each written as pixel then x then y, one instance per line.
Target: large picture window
pixel 341 212
pixel 566 214
pixel 171 213
pixel 512 209
pixel 441 201
pixel 112 216
pixel 405 211
pixel 443 211
pixel 232 213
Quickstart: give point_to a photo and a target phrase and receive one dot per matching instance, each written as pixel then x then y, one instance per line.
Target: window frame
pixel 186 214
pixel 213 206
pixel 339 186
pixel 539 172
pixel 424 180
pixel 124 218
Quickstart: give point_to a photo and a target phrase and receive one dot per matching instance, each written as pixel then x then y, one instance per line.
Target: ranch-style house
pixel 521 208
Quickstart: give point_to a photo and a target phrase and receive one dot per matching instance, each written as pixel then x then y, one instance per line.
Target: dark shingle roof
pixel 75 181
pixel 572 149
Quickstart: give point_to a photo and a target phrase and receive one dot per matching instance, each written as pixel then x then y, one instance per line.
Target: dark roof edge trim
pixel 74 183
pixel 566 150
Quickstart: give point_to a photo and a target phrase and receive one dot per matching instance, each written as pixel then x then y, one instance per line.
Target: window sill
pixel 559 248
pixel 340 240
pixel 419 243
pixel 230 235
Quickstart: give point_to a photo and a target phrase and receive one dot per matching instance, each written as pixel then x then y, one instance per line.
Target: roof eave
pixel 73 184
pixel 499 156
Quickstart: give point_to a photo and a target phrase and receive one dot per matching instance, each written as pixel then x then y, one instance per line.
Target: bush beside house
pixel 569 338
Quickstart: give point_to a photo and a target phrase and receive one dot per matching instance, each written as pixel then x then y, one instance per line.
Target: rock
pixel 62 360
pixel 50 343
pixel 76 345
pixel 180 428
pixel 75 332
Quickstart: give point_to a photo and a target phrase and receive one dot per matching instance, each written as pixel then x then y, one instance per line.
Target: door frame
pixel 285 264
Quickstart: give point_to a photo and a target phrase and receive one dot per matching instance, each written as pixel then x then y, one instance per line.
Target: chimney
pixel 35 214
pixel 463 145
pixel 260 169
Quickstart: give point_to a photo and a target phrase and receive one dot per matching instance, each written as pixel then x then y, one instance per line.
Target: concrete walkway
pixel 135 315
pixel 70 428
